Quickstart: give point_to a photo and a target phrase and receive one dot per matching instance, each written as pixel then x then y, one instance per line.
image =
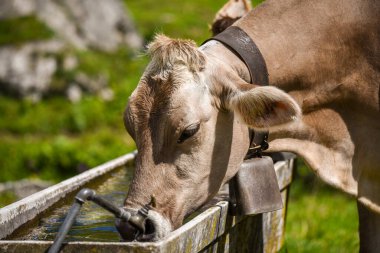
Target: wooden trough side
pixel 274 222
pixel 211 231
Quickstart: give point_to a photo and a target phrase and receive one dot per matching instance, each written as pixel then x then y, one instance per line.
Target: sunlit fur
pixel 171 62
pixel 166 53
pixel 326 64
pixel 265 107
pixel 183 77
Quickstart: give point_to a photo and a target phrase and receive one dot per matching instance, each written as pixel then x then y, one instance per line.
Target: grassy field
pixel 54 139
pixel 319 219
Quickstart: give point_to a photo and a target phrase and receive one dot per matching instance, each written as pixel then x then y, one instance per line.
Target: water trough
pixel 213 230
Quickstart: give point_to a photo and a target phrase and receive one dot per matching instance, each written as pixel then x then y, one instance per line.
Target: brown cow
pixel 191 111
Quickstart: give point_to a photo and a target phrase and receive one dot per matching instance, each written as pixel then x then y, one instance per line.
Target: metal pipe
pixel 65 227
pixel 137 220
pixel 82 196
pixel 117 211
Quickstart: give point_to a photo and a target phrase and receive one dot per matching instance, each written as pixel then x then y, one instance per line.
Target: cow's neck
pixel 323 53
pixel 320 60
pixel 217 50
pixel 313 46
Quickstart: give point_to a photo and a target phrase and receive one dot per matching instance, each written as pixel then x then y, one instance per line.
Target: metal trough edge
pixel 16 214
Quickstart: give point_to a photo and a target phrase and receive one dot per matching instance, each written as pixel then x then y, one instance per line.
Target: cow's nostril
pixel 150 231
pixel 149 227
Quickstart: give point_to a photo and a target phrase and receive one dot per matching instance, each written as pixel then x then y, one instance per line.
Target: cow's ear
pixel 264 107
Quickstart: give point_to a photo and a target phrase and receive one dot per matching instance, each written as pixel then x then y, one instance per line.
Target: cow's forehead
pixel 174 65
pixel 181 101
pixel 148 98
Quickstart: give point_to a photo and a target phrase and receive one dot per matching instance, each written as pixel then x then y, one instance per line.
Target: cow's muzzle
pixel 139 227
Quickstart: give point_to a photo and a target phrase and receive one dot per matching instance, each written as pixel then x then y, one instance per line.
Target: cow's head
pixel 189 116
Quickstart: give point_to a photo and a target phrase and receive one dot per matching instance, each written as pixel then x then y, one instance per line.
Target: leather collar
pixel 239 42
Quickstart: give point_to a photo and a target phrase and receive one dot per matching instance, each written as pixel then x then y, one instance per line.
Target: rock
pixel 99 24
pixel 70 62
pixel 16 8
pixel 91 85
pixel 27 70
pixel 74 93
pixel 107 94
pixel 24 188
pixel 56 18
pixel 102 24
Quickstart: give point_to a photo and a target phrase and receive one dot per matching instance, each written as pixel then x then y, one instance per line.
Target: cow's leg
pixel 369 230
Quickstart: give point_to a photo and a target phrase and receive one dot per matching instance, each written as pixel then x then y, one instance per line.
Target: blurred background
pixel 67 69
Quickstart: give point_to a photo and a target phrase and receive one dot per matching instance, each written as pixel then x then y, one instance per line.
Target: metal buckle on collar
pixel 258 149
pixel 255 150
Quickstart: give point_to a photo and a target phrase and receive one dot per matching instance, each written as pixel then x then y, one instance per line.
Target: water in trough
pixel 93 223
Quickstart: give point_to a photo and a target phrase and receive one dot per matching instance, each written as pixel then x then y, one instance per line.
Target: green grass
pixel 17 31
pixel 7 198
pixel 320 218
pixel 54 139
pixel 60 156
pixel 184 19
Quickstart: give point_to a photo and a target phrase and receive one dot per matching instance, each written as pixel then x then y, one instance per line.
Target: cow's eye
pixel 188 132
